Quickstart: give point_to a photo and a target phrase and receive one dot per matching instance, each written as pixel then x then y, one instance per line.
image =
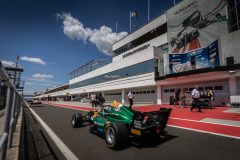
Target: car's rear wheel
pixel 116 135
pixel 77 120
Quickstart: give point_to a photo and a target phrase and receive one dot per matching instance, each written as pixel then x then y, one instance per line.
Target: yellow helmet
pixel 115 103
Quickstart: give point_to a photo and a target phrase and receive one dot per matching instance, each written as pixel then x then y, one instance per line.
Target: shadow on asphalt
pixel 151 142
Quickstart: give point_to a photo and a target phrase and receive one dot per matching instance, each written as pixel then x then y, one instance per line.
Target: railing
pixel 14 102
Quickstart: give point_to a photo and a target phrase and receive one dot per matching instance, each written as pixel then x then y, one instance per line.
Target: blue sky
pixel 53 37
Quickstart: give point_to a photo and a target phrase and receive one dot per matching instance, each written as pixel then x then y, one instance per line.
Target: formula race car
pixel 118 124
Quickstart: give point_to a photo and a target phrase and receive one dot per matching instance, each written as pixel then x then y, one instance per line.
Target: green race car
pixel 119 125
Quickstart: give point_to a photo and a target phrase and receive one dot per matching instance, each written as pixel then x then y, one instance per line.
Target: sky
pixel 54 37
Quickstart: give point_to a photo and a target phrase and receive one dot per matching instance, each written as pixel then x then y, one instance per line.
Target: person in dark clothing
pixel 177 97
pixel 100 99
pixel 193 62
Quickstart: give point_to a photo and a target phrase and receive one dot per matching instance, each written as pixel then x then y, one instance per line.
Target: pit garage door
pixel 220 89
pixel 141 95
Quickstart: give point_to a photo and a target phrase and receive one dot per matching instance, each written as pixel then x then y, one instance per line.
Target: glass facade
pixel 90 66
pixel 142 39
pixel 234 15
pixel 134 70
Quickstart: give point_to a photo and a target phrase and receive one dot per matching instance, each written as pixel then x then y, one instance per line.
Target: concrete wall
pixel 158 41
pixel 229 45
pixel 124 83
pixel 238 85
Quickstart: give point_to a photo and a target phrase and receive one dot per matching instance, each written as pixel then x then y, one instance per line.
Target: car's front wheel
pixel 77 120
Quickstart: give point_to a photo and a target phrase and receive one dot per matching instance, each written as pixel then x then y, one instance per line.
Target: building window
pixel 210 88
pixel 152 91
pixel 134 70
pixel 218 87
pixel 166 90
pixel 234 15
pixel 190 89
pixel 200 88
pixel 142 39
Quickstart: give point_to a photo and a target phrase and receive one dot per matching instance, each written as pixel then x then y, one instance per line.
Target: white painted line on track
pixel 196 130
pixel 200 121
pixel 59 143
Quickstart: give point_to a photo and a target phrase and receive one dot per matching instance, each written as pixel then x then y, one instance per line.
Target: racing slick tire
pixel 116 135
pixel 77 120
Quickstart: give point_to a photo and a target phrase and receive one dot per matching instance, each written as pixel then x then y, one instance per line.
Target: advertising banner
pixel 213 54
pixel 194 24
pixel 197 59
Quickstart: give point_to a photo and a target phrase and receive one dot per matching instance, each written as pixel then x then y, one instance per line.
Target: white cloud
pixel 42 77
pixel 33 60
pixel 8 63
pixel 103 38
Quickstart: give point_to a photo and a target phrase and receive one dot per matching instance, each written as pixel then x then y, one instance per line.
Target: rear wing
pixel 161 116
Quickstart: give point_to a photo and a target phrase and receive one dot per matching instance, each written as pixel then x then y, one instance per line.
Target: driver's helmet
pixel 115 104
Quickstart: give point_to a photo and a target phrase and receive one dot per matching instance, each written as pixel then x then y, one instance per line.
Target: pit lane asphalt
pixel 179 144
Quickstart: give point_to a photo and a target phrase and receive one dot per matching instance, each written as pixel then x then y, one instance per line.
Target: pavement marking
pixel 59 143
pixel 218 134
pixel 232 110
pixel 222 121
pixel 209 122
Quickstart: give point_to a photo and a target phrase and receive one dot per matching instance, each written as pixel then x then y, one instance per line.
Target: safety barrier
pixel 235 101
pixel 14 102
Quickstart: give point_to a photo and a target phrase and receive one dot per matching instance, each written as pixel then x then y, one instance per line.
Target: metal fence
pixel 14 102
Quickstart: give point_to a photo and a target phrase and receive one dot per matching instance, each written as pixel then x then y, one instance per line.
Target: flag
pixel 133 14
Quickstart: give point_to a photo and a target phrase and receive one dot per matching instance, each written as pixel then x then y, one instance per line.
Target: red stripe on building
pixel 193 45
pixel 176 50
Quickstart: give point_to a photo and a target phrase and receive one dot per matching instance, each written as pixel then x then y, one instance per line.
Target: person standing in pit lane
pixel 196 101
pixel 130 99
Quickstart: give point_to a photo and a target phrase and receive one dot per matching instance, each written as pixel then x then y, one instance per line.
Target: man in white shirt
pixel 93 100
pixel 130 99
pixel 196 101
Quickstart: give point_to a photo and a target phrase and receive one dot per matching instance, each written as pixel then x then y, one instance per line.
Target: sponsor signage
pixel 213 54
pixel 194 24
pixel 197 59
pixel 136 50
